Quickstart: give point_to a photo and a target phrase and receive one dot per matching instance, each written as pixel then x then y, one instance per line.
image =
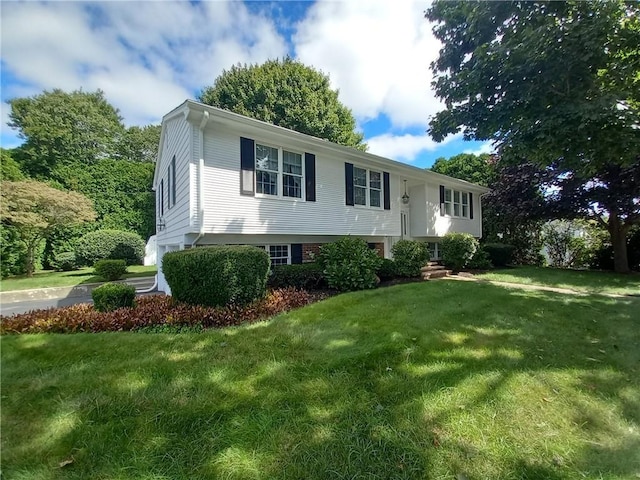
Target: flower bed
pixel 155 311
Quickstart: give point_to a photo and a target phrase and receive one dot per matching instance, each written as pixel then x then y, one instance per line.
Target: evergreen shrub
pixel 112 296
pixel 110 245
pixel 217 276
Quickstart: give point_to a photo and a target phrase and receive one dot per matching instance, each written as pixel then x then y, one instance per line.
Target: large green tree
pixel 286 93
pixel 139 144
pixel 121 193
pixel 555 83
pixel 61 128
pixel 35 209
pixel 467 166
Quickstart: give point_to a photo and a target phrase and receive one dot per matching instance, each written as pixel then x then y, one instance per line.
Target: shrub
pixel 349 264
pixel 110 245
pixel 112 296
pixel 500 254
pixel 154 313
pixel 480 260
pixel 65 262
pixel 217 276
pixel 307 276
pixel 458 250
pixel 387 269
pixel 110 270
pixel 409 257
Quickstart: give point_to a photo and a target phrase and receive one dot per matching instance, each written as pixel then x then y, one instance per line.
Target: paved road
pixel 23 307
pixel 26 306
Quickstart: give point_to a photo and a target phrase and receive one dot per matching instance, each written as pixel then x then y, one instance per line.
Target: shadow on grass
pixel 414 381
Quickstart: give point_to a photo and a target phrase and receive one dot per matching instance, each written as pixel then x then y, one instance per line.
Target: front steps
pixel 434 270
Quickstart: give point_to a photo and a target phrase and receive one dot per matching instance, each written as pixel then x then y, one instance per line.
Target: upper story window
pixel 456 203
pixel 367 187
pixel 278 172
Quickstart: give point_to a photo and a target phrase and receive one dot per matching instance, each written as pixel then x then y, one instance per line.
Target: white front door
pixel 405 225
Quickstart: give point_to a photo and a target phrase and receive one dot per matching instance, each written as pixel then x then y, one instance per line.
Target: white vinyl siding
pixel 229 212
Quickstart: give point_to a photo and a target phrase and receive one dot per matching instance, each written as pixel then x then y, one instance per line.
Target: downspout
pixel 200 182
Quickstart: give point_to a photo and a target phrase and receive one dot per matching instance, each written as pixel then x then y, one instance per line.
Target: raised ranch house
pixel 222 178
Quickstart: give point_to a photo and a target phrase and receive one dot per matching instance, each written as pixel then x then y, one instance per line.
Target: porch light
pixel 161 225
pixel 405 197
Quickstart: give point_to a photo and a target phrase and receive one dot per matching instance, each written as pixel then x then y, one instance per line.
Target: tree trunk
pixel 618 232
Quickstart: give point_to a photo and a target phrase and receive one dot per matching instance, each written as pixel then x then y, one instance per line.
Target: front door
pixel 405 226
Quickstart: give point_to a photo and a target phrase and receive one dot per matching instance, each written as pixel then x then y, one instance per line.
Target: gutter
pixel 200 182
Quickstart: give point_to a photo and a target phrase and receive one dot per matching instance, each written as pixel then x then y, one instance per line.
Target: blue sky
pixel 150 56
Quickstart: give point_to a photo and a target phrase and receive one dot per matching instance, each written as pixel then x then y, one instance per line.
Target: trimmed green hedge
pixel 409 257
pixel 349 264
pixel 110 245
pixel 458 249
pixel 65 262
pixel 307 276
pixel 387 269
pixel 110 270
pixel 217 276
pixel 500 254
pixel 112 296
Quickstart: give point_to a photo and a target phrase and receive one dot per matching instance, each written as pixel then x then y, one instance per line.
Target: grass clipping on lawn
pixel 418 381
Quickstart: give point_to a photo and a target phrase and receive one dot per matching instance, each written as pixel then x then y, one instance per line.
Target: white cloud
pixel 377 53
pixel 146 56
pixel 405 148
pixel 486 147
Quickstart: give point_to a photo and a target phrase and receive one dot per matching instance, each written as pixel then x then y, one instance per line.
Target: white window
pixel 275 168
pixel 291 174
pixel 279 254
pixel 267 170
pixel 456 203
pixel 367 187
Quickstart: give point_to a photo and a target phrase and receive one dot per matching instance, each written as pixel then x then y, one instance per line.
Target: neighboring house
pixel 222 178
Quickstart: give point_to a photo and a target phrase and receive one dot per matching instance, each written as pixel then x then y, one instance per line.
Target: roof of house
pixel 195 111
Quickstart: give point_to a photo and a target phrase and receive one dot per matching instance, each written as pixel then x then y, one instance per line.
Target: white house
pixel 222 178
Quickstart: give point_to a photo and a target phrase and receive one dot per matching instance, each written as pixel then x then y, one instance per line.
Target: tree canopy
pixel 35 209
pixel 61 128
pixel 554 83
pixel 286 93
pixel 467 166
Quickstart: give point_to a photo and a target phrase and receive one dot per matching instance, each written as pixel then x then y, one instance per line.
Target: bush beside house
pixel 349 264
pixel 458 249
pixel 409 256
pixel 217 276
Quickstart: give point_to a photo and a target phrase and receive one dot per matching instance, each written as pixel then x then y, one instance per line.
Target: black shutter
pixel 310 176
pixel 470 206
pixel 442 200
pixel 173 181
pixel 247 166
pixel 161 198
pixel 387 193
pixel 348 182
pixel 296 253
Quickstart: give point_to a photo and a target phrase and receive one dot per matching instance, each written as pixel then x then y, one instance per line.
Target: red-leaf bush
pixel 153 311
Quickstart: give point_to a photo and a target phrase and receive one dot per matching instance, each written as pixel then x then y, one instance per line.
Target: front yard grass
pixel 50 278
pixel 432 380
pixel 586 281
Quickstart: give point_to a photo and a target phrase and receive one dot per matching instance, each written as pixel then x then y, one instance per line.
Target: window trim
pixel 451 203
pixel 280 173
pixel 368 188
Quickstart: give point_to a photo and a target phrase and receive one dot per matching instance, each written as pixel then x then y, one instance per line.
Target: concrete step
pixel 435 274
pixel 432 268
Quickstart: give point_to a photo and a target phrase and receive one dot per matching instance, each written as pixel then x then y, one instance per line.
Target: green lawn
pixel 432 380
pixel 49 278
pixel 588 281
